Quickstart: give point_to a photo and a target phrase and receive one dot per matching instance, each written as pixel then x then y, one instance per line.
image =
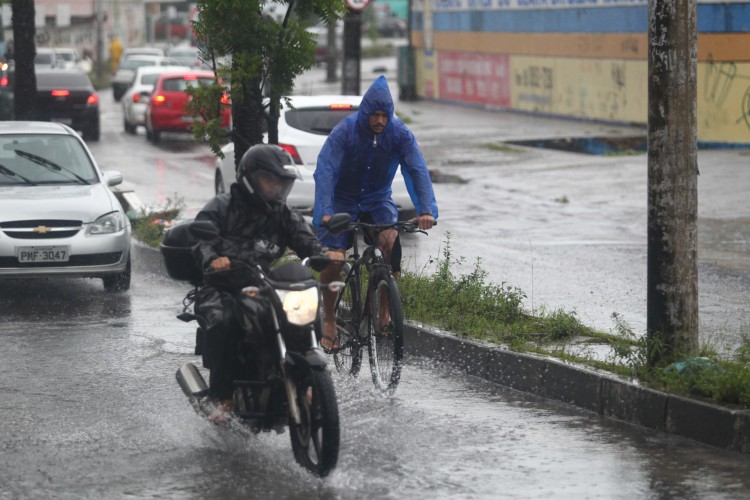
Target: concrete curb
pixel 552 379
pixel 605 395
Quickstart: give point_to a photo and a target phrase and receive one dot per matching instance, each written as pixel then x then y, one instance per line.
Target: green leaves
pixel 258 48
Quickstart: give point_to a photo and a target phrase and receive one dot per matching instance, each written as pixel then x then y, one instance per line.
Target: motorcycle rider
pixel 256 226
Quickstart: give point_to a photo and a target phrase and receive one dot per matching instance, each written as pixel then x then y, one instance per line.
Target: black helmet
pixel 267 173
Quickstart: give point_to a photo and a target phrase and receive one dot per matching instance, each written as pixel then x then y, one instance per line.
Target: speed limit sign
pixel 357 4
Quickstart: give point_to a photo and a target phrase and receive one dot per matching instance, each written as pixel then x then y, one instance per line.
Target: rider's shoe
pixel 221 414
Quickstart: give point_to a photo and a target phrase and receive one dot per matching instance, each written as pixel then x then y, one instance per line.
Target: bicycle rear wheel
pixel 386 325
pixel 348 359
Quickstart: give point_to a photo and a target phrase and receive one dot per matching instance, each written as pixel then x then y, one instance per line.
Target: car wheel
pixel 118 282
pixel 130 129
pixel 155 136
pixel 218 182
pixel 92 133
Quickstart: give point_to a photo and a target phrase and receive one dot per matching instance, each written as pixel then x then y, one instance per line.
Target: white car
pixel 135 99
pixel 126 71
pixel 188 56
pixel 303 128
pixel 68 57
pixel 58 216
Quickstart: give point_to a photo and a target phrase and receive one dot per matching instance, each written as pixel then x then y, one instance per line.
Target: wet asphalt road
pixel 91 408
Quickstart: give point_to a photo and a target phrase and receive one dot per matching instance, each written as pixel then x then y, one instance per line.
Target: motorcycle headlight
pixel 301 307
pixel 107 224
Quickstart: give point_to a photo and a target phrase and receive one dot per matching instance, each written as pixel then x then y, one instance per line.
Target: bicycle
pixel 362 319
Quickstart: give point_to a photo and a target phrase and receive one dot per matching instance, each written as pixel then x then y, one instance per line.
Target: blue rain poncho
pixel 356 167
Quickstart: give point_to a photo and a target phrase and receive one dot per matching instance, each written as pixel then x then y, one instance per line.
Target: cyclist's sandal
pixel 329 345
pixel 384 330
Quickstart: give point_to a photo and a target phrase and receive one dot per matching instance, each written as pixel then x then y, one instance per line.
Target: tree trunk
pixel 24 47
pixel 247 116
pixel 672 295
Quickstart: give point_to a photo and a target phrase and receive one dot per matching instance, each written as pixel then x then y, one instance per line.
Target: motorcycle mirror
pixel 337 222
pixel 204 229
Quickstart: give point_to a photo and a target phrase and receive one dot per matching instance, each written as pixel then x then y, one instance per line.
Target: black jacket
pixel 250 232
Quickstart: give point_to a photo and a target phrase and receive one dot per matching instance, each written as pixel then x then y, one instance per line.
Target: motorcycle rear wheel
pixel 315 442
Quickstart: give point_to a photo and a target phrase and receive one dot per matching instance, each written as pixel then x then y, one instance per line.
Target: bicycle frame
pixel 361 323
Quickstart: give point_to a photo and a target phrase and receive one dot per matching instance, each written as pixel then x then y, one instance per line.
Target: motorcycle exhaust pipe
pixel 191 381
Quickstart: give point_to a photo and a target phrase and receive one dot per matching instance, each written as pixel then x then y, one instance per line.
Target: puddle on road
pixel 609 146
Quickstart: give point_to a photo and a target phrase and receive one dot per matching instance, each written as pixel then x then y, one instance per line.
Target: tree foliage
pixel 254 55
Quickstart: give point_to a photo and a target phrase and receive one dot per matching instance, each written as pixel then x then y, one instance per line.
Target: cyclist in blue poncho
pixel 354 174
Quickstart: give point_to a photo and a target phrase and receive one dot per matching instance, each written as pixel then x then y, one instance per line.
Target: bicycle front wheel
pixel 386 338
pixel 348 359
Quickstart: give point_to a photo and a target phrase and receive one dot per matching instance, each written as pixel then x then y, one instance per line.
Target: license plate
pixel 43 254
pixel 64 121
pixel 188 119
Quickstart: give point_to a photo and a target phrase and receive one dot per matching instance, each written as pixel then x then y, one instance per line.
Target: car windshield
pixel 44 159
pixel 134 63
pixel 68 56
pixel 149 79
pixel 182 83
pixel 317 120
pixel 183 52
pixel 68 80
pixel 43 58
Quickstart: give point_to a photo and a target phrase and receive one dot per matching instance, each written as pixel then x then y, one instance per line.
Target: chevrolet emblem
pixel 42 229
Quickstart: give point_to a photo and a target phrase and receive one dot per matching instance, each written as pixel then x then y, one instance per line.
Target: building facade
pixel 584 59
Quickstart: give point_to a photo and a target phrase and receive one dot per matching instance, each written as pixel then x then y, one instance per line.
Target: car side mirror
pixel 337 223
pixel 204 230
pixel 112 177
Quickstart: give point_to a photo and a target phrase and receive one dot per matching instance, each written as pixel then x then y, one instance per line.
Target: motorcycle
pixel 285 382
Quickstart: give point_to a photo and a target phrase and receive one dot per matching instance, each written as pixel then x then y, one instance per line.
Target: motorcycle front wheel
pixel 315 442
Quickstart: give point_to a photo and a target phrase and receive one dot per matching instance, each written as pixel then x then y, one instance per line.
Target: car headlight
pixel 301 307
pixel 107 224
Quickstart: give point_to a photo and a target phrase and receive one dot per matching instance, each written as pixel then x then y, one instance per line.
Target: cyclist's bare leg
pixel 387 239
pixel 327 275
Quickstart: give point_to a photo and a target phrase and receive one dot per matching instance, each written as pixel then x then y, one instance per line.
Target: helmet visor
pixel 270 186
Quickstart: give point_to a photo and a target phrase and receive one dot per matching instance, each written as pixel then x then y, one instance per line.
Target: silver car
pixel 126 71
pixel 58 216
pixel 304 126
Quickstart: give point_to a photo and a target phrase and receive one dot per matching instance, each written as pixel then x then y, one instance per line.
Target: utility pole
pixel 332 54
pixel 99 41
pixel 352 47
pixel 672 295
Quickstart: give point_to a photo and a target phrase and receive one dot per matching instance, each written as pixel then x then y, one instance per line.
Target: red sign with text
pixel 474 77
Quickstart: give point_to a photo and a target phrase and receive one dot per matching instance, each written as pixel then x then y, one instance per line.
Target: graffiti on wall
pixel 535 84
pixel 606 90
pixel 724 100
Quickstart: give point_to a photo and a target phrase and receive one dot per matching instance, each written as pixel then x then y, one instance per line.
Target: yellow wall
pixel 609 79
pixel 724 102
pixel 584 88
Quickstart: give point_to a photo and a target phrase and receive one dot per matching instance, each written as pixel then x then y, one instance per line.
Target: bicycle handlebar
pixel 408 226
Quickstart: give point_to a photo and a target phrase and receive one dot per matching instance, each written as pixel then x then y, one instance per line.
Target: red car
pixel 167 109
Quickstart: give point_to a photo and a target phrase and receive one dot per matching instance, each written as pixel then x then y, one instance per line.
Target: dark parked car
pixel 67 96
